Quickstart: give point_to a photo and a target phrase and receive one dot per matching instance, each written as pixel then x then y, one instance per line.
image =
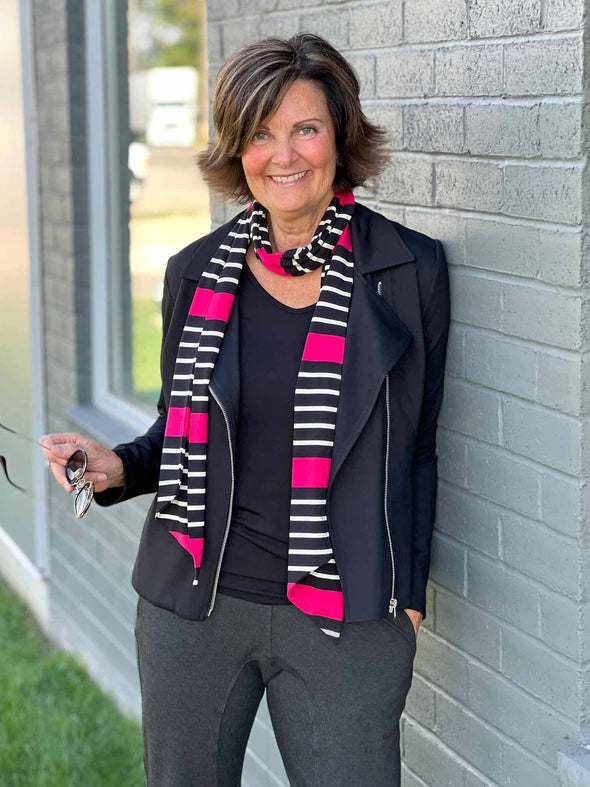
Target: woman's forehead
pixel 303 100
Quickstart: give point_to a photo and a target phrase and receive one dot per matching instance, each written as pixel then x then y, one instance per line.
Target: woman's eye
pixel 259 135
pixel 307 129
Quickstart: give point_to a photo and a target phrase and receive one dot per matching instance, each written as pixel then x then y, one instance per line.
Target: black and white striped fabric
pixel 313 582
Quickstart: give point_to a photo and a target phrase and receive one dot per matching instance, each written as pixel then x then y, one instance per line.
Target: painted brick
pixel 474 185
pixel 222 9
pixel 476 299
pixel 452 457
pixel 563 14
pixel 509 18
pixel 466 734
pixel 447 228
pixel 407 178
pixel 502 129
pixel 534 725
pixel 560 623
pixel 471 409
pixel 521 768
pixel 441 664
pixel 543 67
pixel 467 518
pixel 376 25
pixel 560 503
pixel 559 383
pixel 538 192
pixel 364 66
pixel 455 363
pixel 549 677
pixel 547 556
pixel 405 73
pixel 503 365
pixel 447 566
pixel 332 25
pixel 560 126
pixel 420 701
pixel 434 20
pixel 468 627
pixel 429 760
pixel 504 593
pixel 214 44
pixel 560 257
pixel 541 314
pixel 389 117
pixel 257 6
pixel 433 127
pixel 543 435
pixel 469 71
pixel 238 33
pixel 283 26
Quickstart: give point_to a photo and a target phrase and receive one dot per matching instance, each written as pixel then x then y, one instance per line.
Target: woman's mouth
pixel 288 179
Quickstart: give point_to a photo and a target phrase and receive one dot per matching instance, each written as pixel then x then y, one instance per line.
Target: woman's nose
pixel 283 153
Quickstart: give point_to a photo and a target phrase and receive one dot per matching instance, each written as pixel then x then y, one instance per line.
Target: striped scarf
pixel 313 583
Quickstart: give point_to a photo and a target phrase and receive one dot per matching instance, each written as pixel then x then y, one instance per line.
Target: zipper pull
pixel 393 606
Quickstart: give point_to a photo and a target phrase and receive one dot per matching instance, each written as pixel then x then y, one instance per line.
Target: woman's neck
pixel 294 233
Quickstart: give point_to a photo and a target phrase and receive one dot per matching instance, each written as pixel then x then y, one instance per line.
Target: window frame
pixel 107 413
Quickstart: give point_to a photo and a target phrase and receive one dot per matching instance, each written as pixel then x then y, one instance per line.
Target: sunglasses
pixel 83 490
pixel 75 469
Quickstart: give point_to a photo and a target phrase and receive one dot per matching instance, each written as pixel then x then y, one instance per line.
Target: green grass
pixel 57 728
pixel 147 337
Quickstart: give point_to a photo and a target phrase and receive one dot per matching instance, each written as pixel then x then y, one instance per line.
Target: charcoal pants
pixel 334 706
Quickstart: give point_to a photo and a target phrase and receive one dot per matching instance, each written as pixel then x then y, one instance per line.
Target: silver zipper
pixel 392 600
pixel 231 496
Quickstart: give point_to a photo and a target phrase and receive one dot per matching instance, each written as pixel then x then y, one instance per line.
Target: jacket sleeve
pixel 141 457
pixel 435 321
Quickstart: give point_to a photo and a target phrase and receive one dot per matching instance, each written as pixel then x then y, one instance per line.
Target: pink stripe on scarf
pixel 311 471
pixel 198 428
pixel 194 546
pixel 313 601
pixel 177 421
pixel 324 347
pixel 201 301
pixel 220 306
pixel 345 239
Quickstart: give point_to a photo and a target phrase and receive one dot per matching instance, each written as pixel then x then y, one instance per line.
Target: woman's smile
pixel 288 180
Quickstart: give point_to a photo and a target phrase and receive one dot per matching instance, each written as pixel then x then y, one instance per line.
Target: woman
pixel 288 544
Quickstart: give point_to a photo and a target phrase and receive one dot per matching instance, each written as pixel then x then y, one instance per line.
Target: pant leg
pixel 335 706
pixel 201 687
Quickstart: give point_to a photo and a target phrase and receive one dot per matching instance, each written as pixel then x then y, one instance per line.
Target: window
pixel 147 118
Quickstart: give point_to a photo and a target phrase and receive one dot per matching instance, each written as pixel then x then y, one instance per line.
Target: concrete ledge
pixel 25 579
pixel 573 767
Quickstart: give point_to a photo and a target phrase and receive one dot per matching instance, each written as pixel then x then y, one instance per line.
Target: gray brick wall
pixel 484 103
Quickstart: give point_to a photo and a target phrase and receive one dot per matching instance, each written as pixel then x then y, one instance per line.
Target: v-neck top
pixel 272 338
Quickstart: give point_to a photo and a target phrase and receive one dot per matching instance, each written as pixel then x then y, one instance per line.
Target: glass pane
pixel 166 114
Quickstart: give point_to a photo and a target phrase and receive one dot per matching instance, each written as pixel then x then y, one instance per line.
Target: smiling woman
pixel 293 460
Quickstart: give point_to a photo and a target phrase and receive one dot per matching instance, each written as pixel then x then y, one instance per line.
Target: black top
pixel 272 338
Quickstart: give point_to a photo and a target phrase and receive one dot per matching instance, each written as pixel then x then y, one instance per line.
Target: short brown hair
pixel 249 86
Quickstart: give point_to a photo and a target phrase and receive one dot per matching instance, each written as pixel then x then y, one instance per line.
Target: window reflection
pixel 168 201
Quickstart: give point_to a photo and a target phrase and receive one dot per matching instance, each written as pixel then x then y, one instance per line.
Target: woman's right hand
pixel 105 468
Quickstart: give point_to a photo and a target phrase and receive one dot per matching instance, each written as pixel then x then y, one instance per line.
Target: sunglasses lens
pixel 83 499
pixel 76 466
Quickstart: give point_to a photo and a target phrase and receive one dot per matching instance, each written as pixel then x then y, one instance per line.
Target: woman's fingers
pixel 59 474
pixel 60 452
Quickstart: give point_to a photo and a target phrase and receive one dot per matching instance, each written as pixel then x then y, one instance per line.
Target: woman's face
pixel 290 163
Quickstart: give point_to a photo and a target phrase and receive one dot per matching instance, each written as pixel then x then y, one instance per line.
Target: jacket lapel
pixel 376 337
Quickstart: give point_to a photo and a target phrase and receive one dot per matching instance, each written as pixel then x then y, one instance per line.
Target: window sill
pixel 121 423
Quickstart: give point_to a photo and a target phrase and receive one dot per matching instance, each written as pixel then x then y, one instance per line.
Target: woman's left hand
pixel 415 617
